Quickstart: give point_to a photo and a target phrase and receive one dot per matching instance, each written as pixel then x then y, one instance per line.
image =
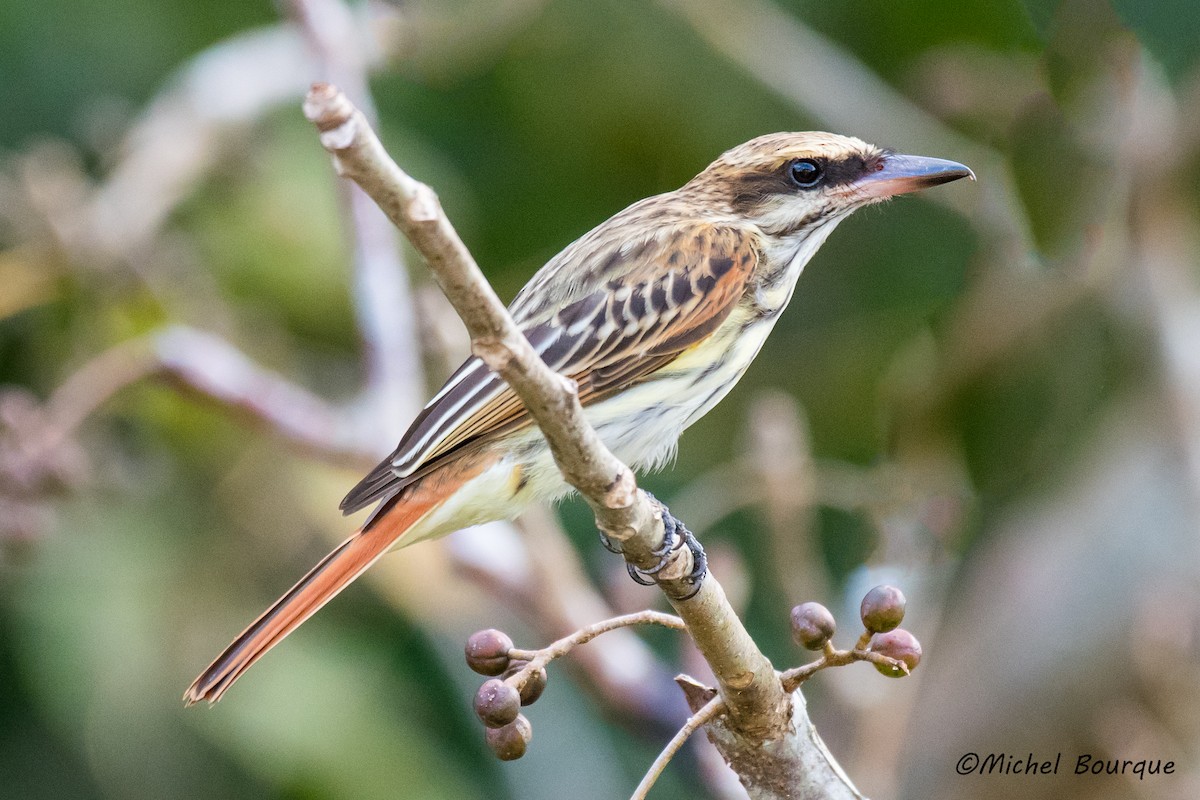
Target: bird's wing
pixel 649 304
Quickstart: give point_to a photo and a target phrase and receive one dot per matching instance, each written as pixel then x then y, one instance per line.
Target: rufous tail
pixel 335 572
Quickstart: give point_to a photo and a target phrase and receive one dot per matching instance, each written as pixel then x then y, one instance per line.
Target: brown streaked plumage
pixel 656 314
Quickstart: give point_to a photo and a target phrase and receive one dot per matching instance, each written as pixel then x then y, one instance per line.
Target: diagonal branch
pixel 605 482
pixel 695 722
pixel 209 366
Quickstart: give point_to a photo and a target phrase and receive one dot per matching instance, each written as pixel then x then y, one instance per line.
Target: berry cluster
pixel 499 700
pixel 517 678
pixel 882 611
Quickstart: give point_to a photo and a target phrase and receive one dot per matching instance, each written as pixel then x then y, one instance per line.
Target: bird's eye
pixel 806 173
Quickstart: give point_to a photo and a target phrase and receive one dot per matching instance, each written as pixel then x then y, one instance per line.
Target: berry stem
pixel 538 659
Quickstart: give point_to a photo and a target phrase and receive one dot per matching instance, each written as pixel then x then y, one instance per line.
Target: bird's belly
pixel 642 424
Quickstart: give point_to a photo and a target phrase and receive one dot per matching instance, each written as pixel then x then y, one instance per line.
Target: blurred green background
pixel 988 395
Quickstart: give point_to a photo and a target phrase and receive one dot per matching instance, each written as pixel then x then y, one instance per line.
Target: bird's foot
pixel 675 535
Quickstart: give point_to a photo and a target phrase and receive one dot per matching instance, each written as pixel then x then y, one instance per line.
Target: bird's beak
pixel 897 174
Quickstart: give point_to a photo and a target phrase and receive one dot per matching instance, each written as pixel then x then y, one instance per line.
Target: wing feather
pixel 657 300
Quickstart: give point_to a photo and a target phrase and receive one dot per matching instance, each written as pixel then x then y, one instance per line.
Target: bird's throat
pixel 784 259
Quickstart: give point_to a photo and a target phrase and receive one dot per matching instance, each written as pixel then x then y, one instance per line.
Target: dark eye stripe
pixel 749 191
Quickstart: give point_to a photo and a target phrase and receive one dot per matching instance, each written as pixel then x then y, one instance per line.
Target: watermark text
pixel 1060 764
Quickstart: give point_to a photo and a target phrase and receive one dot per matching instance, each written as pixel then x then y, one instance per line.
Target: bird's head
pixel 794 183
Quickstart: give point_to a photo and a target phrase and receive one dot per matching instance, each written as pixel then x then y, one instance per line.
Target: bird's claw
pixel 675 535
pixel 608 545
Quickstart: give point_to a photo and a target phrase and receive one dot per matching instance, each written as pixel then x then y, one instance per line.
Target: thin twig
pixel 697 721
pixel 794 677
pixel 540 658
pixel 537 660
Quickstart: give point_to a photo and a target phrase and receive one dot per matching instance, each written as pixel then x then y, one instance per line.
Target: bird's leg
pixel 675 535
